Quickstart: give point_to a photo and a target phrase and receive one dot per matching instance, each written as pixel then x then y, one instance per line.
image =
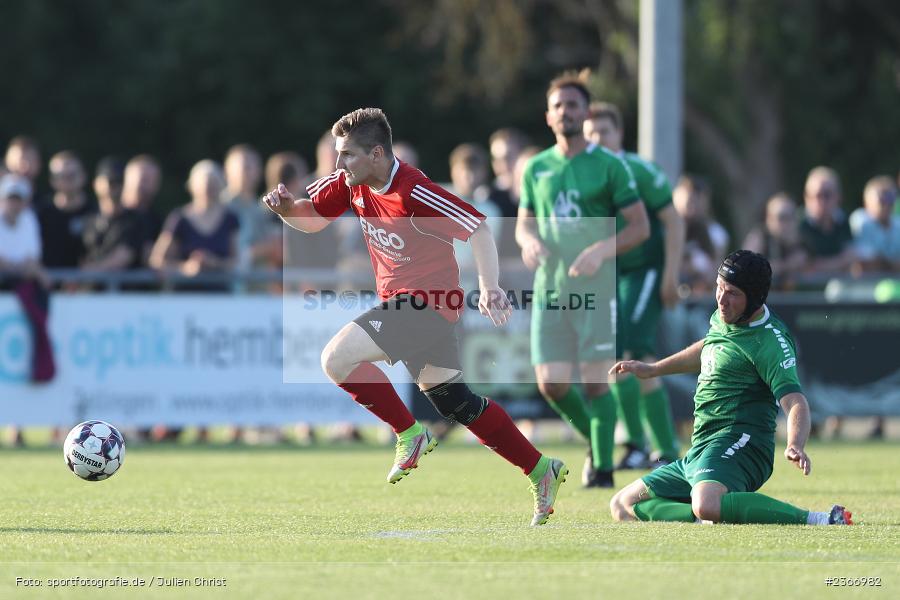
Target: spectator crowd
pixel 108 221
pixel 111 221
pixel 807 246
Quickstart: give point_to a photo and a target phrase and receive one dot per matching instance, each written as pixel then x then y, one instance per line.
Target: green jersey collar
pixel 589 149
pixel 762 319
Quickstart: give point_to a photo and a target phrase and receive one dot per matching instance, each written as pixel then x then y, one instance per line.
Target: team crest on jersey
pixel 565 207
pixel 708 360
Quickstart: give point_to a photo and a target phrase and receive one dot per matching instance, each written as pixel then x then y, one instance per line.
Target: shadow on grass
pixel 169 447
pixel 119 531
pixel 215 448
pixel 190 448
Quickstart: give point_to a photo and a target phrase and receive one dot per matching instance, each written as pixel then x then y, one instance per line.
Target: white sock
pixel 817 518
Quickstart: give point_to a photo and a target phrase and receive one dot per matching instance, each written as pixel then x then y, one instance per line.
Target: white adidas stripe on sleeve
pixel 435 201
pixel 455 208
pixel 319 184
pixel 443 211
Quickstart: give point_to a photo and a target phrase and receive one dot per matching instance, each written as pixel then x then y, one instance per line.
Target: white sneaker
pixel 408 454
pixel 546 489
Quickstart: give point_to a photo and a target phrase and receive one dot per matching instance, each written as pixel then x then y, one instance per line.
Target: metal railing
pixel 238 280
pixel 833 289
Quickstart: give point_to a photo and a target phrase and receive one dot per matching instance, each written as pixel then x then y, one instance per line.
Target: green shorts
pixel 731 460
pixel 570 328
pixel 640 309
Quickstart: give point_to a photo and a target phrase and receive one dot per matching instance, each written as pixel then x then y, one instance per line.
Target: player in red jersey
pixel 409 224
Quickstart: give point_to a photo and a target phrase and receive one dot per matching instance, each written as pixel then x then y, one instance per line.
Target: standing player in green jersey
pixel 570 193
pixel 748 366
pixel 648 281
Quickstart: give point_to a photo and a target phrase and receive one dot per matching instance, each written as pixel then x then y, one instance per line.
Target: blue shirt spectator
pixel 876 228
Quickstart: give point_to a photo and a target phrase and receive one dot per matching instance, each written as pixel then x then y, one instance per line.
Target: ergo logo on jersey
pixel 383 237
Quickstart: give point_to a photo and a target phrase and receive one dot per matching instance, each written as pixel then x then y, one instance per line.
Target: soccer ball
pixel 94 450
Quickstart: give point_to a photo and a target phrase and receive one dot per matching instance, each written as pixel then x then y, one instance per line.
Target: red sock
pixel 496 430
pixel 371 388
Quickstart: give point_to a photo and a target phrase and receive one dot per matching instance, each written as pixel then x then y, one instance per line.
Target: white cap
pixel 15 185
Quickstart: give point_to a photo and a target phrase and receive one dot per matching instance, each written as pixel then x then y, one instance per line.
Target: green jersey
pixel 745 370
pixel 568 197
pixel 654 189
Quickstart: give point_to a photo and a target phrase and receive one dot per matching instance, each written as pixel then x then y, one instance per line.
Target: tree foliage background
pixel 772 87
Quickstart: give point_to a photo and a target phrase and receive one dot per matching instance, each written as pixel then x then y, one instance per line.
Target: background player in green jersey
pixel 569 193
pixel 648 281
pixel 747 364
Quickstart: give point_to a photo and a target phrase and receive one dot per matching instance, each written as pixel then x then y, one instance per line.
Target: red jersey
pixel 409 227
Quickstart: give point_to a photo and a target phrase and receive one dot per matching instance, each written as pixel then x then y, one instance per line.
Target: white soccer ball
pixel 94 450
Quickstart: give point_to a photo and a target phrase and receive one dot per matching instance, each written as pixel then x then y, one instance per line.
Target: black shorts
pixel 412 333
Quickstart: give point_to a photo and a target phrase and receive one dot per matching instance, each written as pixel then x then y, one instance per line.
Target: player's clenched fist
pixel 279 200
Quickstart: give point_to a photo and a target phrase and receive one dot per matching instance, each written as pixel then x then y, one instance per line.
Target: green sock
pixel 663 509
pixel 657 415
pixel 750 507
pixel 573 411
pixel 603 429
pixel 539 469
pixel 628 395
pixel 414 430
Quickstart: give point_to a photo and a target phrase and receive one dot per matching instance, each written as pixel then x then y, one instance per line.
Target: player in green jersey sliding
pixel 747 364
pixel 570 194
pixel 648 281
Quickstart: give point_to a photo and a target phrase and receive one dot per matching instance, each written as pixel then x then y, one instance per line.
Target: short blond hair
pixel 210 167
pixel 826 173
pixel 367 127
pixel 878 184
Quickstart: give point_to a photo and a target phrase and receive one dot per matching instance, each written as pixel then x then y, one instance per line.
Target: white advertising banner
pixel 142 359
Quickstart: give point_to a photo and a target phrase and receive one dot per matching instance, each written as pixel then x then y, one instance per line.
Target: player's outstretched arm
pixel 686 361
pixel 299 213
pixel 492 301
pixel 796 408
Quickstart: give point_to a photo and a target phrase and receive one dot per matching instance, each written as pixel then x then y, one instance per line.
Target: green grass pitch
pixel 323 523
